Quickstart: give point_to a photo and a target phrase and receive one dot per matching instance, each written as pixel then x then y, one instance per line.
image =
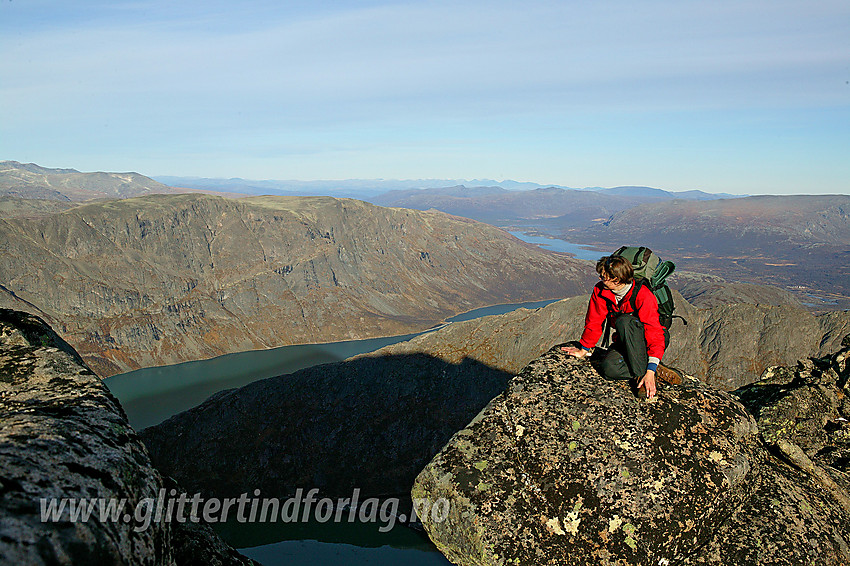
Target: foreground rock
pixel 63 435
pixel 567 468
pixel 801 512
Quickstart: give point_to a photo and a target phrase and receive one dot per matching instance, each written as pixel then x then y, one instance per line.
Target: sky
pixel 742 97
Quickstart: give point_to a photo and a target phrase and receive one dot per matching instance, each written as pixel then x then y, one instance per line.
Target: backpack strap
pixel 636 285
pixel 606 333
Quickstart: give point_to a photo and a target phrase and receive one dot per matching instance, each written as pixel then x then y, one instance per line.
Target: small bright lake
pixel 580 251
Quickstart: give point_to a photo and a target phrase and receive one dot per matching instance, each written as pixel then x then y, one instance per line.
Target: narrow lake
pixel 580 251
pixel 151 395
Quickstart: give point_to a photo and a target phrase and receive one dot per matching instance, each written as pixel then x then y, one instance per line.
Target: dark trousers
pixel 627 355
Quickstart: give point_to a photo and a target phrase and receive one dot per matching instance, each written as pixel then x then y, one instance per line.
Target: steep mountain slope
pixel 30 181
pixel 163 279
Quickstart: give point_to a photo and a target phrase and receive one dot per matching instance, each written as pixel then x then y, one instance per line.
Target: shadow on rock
pixel 370 423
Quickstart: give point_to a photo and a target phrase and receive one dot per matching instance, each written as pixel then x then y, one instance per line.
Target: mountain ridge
pixel 28 180
pixel 168 278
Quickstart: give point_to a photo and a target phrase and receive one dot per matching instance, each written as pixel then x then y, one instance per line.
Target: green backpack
pixel 652 272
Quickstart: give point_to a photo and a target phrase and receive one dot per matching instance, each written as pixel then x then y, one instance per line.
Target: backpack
pixel 652 272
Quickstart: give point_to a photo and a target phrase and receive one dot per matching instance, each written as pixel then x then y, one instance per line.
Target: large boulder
pixel 64 436
pixel 565 467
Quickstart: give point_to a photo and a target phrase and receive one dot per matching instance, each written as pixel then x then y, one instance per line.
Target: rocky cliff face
pixel 63 435
pixel 567 468
pixel 164 279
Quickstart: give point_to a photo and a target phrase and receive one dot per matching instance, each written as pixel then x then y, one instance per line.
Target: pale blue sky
pixel 724 96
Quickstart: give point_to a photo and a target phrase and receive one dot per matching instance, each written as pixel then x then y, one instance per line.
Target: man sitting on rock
pixel 639 340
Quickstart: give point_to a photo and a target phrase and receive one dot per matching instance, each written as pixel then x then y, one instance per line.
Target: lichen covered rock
pixel 801 512
pixel 568 468
pixel 63 435
pixel 808 406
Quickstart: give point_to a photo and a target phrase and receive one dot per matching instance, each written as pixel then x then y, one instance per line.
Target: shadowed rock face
pixel 369 424
pixel 163 279
pixel 567 468
pixel 63 435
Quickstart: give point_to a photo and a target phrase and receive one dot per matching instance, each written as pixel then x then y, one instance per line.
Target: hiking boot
pixel 668 375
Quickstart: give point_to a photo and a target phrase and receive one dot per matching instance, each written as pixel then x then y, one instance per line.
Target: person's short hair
pixel 615 267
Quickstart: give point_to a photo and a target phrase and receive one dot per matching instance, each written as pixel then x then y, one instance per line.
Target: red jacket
pixel 647 313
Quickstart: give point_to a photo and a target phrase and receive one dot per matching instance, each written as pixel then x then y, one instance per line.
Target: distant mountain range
pixel 799 242
pixel 554 206
pixel 796 242
pixel 743 224
pixel 31 181
pixel 367 189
